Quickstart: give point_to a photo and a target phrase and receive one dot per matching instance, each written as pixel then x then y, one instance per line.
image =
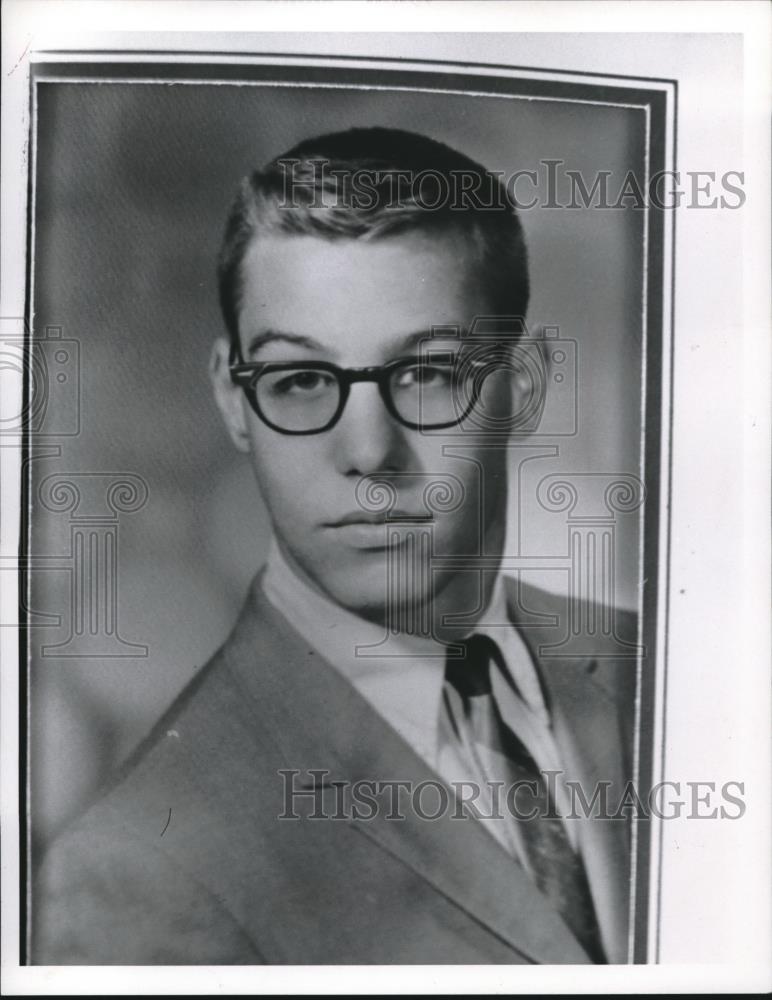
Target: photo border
pixel 715 907
pixel 657 99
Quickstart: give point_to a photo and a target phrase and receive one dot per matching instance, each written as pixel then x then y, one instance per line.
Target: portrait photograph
pixel 359 428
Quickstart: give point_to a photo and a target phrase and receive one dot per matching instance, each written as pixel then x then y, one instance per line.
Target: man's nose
pixel 367 438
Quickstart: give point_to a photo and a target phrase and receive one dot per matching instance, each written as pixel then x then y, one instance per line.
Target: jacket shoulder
pixel 106 896
pixel 133 878
pixel 569 631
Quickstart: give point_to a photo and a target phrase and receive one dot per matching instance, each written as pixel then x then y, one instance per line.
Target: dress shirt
pixel 402 677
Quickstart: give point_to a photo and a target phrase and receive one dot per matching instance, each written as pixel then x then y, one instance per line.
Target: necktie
pixel 477 723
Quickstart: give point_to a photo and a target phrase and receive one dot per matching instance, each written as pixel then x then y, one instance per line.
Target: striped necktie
pixel 498 755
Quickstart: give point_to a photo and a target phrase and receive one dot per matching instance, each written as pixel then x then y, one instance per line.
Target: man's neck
pixel 448 613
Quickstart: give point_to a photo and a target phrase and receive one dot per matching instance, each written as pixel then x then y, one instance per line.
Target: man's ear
pixel 530 379
pixel 229 397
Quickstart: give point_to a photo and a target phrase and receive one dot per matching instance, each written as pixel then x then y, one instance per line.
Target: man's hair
pixel 376 183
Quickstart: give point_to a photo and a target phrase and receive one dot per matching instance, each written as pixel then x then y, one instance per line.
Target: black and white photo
pixel 350 454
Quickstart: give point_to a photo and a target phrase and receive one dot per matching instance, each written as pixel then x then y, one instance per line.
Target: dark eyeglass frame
pixel 245 373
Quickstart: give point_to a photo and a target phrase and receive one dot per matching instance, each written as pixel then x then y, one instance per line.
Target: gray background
pixel 133 184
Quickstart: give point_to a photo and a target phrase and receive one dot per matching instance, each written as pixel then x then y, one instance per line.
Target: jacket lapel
pixel 585 723
pixel 323 723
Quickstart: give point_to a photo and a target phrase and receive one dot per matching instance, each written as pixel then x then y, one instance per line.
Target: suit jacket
pixel 183 859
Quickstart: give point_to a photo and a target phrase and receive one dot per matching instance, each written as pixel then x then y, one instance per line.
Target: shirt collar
pixel 338 634
pixel 401 675
pixel 496 623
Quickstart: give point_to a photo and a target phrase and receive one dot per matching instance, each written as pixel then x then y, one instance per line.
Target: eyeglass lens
pixel 308 399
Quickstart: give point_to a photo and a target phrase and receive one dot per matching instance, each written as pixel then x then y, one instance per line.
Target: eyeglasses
pixel 308 397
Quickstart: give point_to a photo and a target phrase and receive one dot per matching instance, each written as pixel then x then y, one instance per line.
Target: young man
pixel 376 766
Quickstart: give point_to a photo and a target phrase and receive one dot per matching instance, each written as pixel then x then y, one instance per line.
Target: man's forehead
pixel 386 290
pixel 420 342
pixel 456 248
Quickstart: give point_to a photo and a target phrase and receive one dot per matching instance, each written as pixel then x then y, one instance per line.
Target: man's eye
pixel 303 383
pixel 425 376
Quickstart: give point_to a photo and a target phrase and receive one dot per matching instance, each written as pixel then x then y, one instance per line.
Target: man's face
pixel 359 304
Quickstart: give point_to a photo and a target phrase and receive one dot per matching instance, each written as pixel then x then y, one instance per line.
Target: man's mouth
pixel 375 531
pixel 395 516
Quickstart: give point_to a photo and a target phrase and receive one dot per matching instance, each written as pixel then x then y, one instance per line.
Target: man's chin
pixel 373 593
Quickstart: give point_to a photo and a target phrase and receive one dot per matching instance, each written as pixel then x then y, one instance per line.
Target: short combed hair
pixel 376 183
